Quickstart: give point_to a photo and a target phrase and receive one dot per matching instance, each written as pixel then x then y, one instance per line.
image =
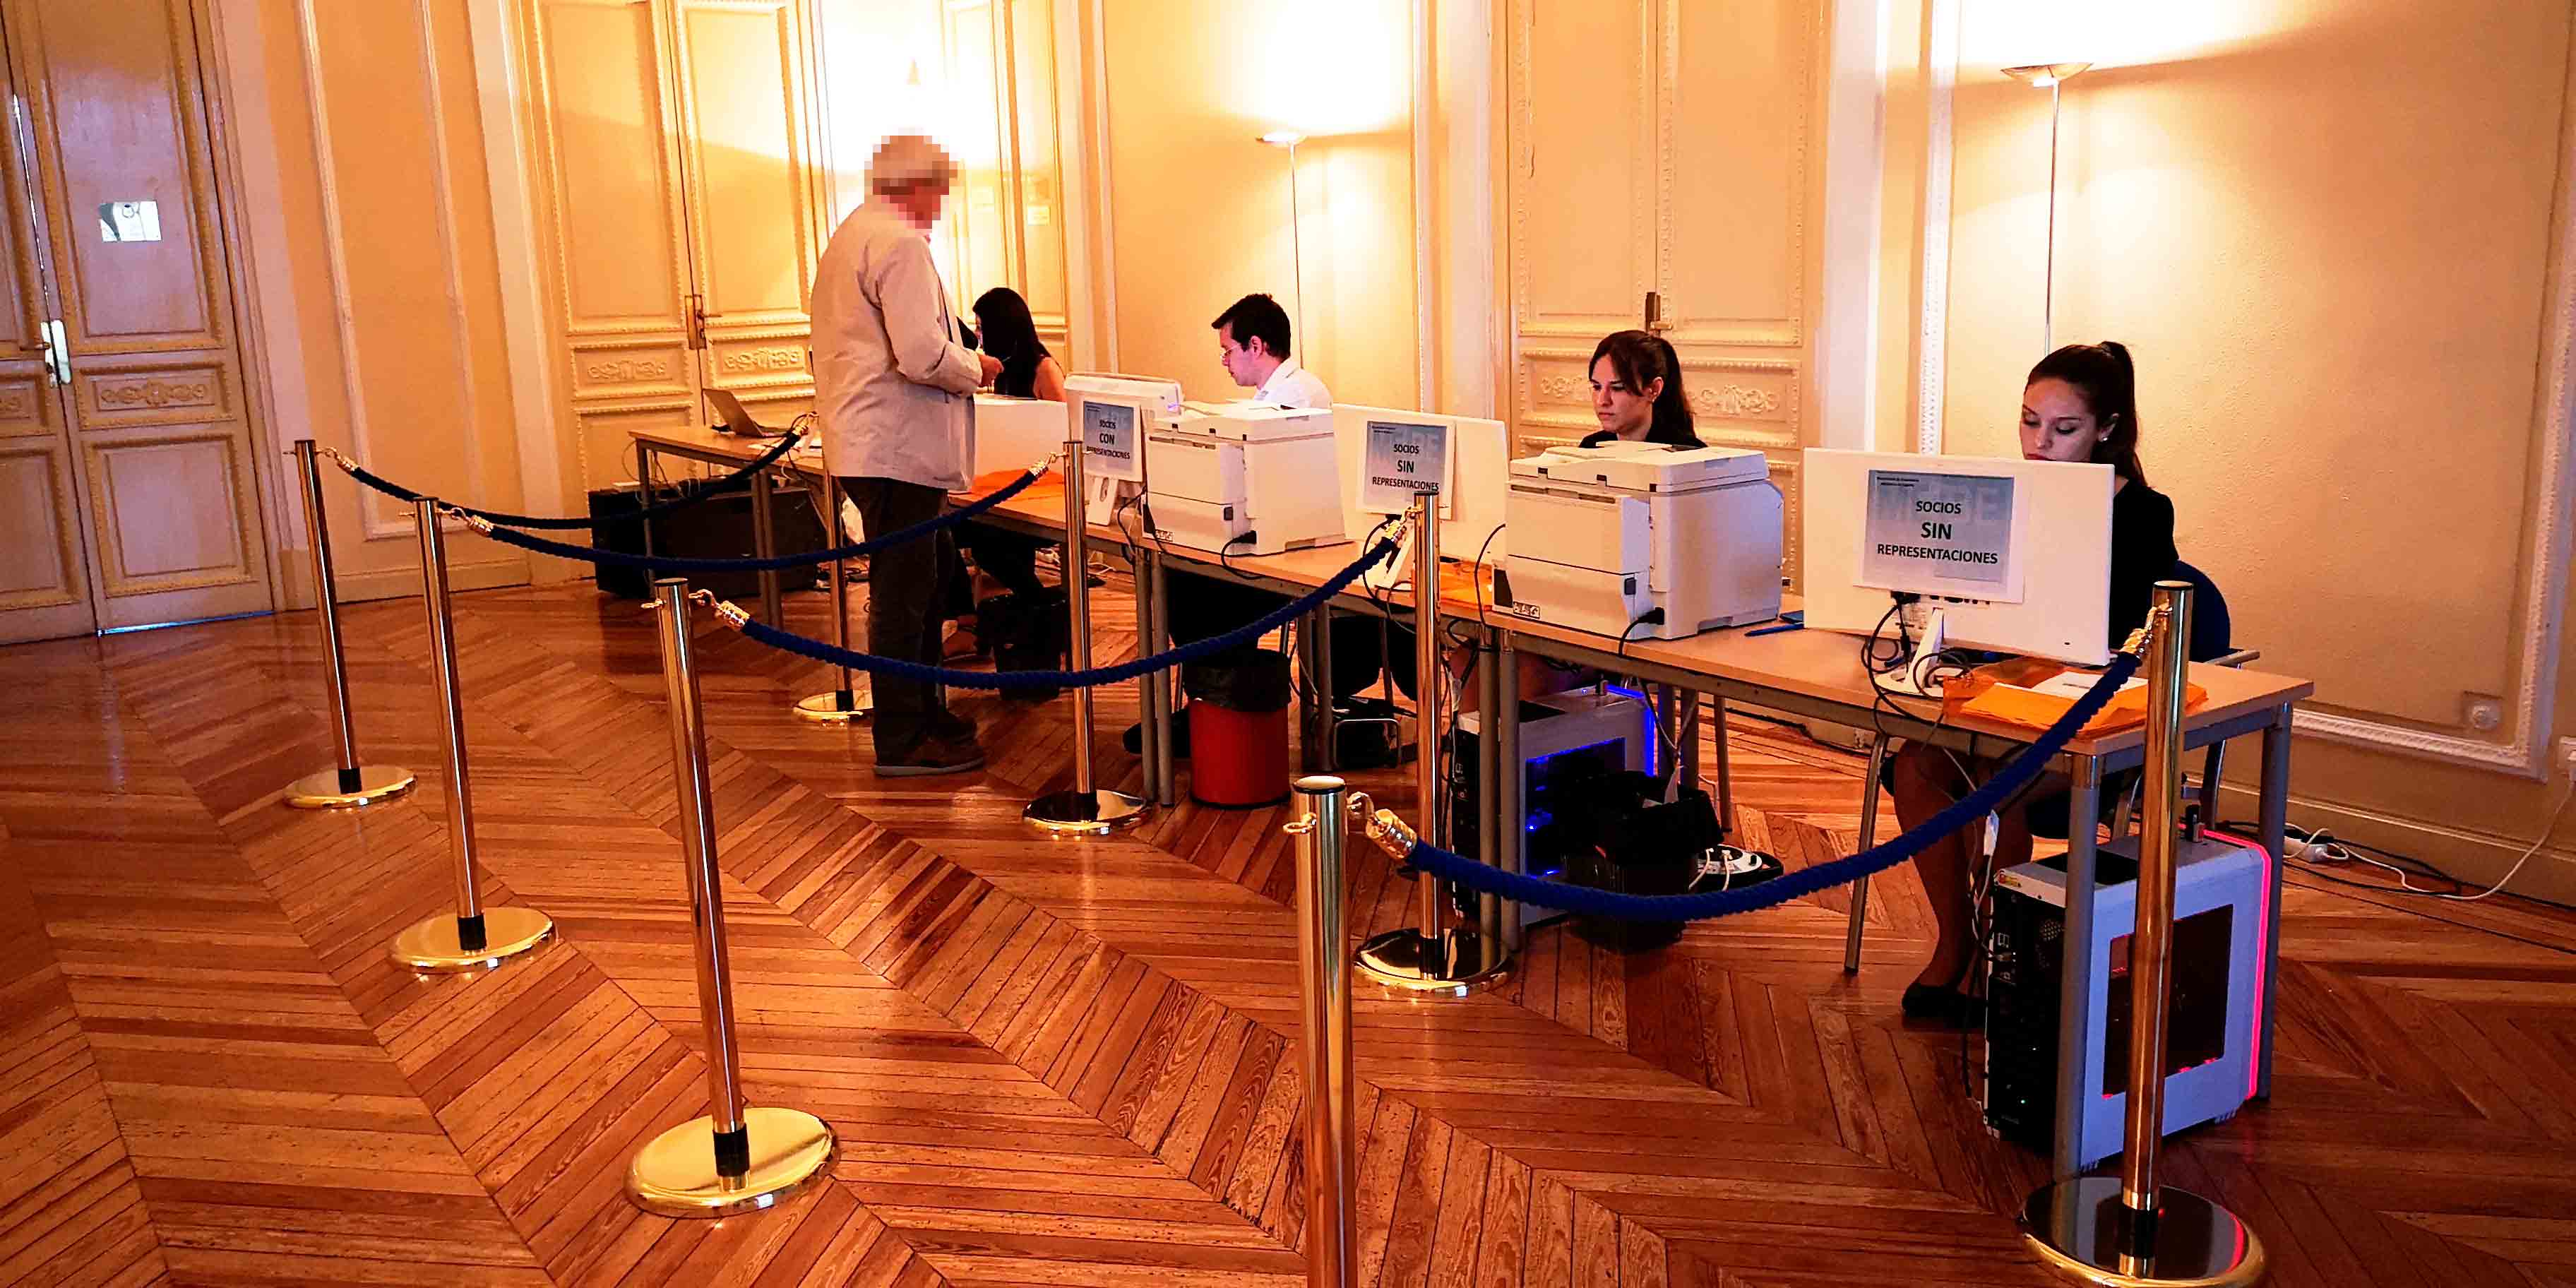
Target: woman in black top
pixel 1010 334
pixel 1008 558
pixel 2080 404
pixel 1637 392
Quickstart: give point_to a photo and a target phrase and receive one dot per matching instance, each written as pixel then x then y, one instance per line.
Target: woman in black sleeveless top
pixel 2080 404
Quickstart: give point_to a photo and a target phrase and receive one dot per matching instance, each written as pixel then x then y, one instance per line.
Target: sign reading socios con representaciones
pixel 1402 461
pixel 1109 441
pixel 1941 534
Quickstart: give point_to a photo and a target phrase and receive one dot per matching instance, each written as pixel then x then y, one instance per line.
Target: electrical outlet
pixel 2566 758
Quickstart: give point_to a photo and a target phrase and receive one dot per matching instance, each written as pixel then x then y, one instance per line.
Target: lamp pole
pixel 1289 139
pixel 2051 77
pixel 1297 241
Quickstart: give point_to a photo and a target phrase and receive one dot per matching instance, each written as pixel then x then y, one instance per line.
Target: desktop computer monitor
pixel 1016 433
pixel 2010 556
pixel 1475 477
pixel 1112 414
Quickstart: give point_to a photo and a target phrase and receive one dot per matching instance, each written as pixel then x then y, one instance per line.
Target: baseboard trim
pixel 393 583
pixel 2479 858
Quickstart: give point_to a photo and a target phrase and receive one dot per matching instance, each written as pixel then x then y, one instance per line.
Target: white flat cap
pixel 908 160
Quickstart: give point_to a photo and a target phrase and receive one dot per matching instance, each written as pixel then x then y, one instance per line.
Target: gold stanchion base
pixel 323 790
pixel 675 1173
pixel 2080 1228
pixel 1402 962
pixel 1084 813
pixel 836 707
pixel 432 947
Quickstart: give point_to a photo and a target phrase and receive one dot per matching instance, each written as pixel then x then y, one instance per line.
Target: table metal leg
pixel 1725 767
pixel 1323 753
pixel 2273 823
pixel 644 498
pixel 1490 839
pixel 1157 594
pixel 1685 709
pixel 2075 1053
pixel 1504 817
pixel 764 540
pixel 1869 792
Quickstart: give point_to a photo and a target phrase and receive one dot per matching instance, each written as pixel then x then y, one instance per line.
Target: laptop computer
pixel 738 421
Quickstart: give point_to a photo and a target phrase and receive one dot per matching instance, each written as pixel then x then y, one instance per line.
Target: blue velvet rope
pixel 1585 901
pixel 791 642
pixel 681 502
pixel 775 563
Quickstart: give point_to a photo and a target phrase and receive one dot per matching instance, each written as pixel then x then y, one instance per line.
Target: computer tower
pixel 2219 888
pixel 719 527
pixel 1567 739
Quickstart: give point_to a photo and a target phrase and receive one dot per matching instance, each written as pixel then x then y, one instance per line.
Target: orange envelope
pixel 2011 692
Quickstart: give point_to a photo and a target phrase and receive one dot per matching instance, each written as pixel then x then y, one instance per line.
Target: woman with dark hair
pixel 2079 405
pixel 1008 559
pixel 1637 392
pixel 1010 334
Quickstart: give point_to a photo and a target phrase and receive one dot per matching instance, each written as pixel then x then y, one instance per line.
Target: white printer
pixel 1134 406
pixel 1606 537
pixel 1253 479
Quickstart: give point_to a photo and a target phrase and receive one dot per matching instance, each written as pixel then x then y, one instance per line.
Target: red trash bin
pixel 1238 717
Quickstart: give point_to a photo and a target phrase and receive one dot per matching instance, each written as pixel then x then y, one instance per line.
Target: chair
pixel 2213 642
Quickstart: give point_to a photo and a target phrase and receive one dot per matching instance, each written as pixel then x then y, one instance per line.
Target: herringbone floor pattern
pixel 1064 1063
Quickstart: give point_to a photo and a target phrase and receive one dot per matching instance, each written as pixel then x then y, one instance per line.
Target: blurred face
pixel 1248 364
pixel 921 203
pixel 1621 408
pixel 2057 424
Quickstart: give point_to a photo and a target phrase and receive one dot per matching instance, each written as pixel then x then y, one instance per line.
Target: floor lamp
pixel 1289 139
pixel 2051 77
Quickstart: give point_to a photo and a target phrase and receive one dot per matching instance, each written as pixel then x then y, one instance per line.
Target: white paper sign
pixel 1941 534
pixel 2073 685
pixel 1402 461
pixel 1110 442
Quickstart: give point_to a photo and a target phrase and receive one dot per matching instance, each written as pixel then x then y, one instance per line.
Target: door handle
pixel 58 352
pixel 1655 321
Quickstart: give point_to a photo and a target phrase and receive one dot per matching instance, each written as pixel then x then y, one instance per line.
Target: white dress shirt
pixel 894 389
pixel 1293 386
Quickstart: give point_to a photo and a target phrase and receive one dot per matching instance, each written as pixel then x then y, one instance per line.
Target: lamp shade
pixel 2043 75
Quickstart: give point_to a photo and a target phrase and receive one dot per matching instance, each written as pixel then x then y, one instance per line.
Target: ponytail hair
pixel 2108 379
pixel 1640 359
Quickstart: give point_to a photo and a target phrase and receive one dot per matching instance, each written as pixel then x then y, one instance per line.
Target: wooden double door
pixel 680 199
pixel 128 495
pixel 1664 164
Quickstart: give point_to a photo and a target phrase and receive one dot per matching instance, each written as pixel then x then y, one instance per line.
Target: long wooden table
pixel 1811 674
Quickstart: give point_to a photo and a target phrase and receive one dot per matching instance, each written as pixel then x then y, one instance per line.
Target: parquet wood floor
pixel 1049 1063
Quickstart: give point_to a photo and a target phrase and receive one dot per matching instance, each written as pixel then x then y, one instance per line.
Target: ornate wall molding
pixel 2543 598
pixel 1943 60
pixel 378 518
pixel 2545 560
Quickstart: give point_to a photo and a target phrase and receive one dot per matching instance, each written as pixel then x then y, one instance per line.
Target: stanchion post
pixel 2131 1230
pixel 738 1156
pixel 1086 809
pixel 1158 592
pixel 1324 986
pixel 1491 690
pixel 350 783
pixel 843 704
pixel 1430 786
pixel 475 937
pixel 1426 961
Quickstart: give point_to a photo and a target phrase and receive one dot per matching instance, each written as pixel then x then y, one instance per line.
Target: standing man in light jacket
pixel 896 395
